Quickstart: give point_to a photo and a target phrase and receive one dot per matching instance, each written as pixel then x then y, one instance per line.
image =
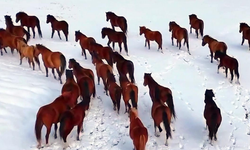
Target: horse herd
pixel 66 110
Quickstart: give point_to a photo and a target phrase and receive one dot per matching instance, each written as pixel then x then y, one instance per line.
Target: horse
pixel 129 92
pixel 74 117
pixel 178 33
pixel 101 71
pixel 165 93
pixel 137 131
pixel 211 114
pixel 84 41
pixel 245 29
pixel 50 114
pixel 15 30
pixel 229 63
pixel 29 22
pixel 114 36
pixel 115 91
pixel 214 45
pixel 196 23
pixel 151 36
pixel 53 60
pixel 28 52
pixel 118 21
pixel 58 26
pixel 71 85
pixel 124 66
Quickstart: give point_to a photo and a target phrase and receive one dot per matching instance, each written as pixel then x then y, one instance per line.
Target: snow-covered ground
pixel 23 91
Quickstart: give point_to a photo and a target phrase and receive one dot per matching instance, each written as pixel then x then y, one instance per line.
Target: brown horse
pixel 101 70
pixel 71 85
pixel 118 21
pixel 229 63
pixel 178 33
pixel 212 114
pixel 137 131
pixel 29 22
pixel 15 30
pixel 28 52
pixel 151 36
pixel 214 45
pixel 124 66
pixel 58 26
pixel 245 29
pixel 84 41
pixel 50 114
pixel 129 92
pixel 114 36
pixel 53 60
pixel 196 23
pixel 165 93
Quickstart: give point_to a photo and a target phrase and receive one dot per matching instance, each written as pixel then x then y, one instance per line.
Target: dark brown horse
pixel 197 24
pixel 212 114
pixel 84 41
pixel 124 66
pixel 15 30
pixel 178 33
pixel 115 91
pixel 58 26
pixel 151 36
pixel 214 45
pixel 29 22
pixel 117 21
pixel 165 93
pixel 113 36
pixel 50 114
pixel 53 60
pixel 137 131
pixel 245 29
pixel 229 63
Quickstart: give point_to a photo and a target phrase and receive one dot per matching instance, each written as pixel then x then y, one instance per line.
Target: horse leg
pixel 219 68
pixel 212 55
pixel 196 31
pixel 59 75
pixel 37 61
pixel 226 71
pixel 172 40
pixel 79 127
pixel 2 52
pixel 179 44
pixel 148 44
pixel 52 34
pixel 46 69
pixel 66 34
pixel 33 30
pixel 53 72
pixel 145 42
pixel 249 44
pixel 109 44
pixel 47 134
pixel 59 34
pixel 29 62
pixel 190 29
pixel 21 59
pixel 120 46
pixel 55 125
pixel 232 75
pixel 113 45
pixel 157 134
pixel 242 40
pixel 98 80
pixel 12 51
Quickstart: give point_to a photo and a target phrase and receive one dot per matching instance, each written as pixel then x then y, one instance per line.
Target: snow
pixel 23 91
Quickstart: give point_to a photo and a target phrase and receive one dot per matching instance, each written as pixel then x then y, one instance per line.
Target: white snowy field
pixel 23 91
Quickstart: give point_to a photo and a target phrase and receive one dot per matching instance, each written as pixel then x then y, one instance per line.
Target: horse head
pixel 146 78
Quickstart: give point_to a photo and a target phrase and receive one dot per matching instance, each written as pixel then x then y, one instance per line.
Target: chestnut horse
pixel 71 85
pixel 58 26
pixel 165 93
pixel 15 30
pixel 151 36
pixel 178 33
pixel 245 29
pixel 115 91
pixel 197 24
pixel 214 45
pixel 29 22
pixel 212 114
pixel 50 114
pixel 137 131
pixel 53 60
pixel 84 41
pixel 229 63
pixel 114 36
pixel 124 66
pixel 118 21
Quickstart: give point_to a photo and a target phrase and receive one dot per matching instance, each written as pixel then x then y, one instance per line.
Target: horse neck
pixel 151 82
pixel 53 19
pixel 175 26
pixel 245 27
pixel 210 40
pixel 209 100
pixel 82 36
pixel 9 24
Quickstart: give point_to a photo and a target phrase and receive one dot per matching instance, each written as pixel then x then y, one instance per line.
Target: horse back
pixel 54 59
pixel 137 128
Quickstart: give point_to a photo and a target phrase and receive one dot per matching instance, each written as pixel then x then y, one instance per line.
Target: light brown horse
pixel 137 131
pixel 53 60
pixel 196 23
pixel 84 41
pixel 178 33
pixel 214 45
pixel 58 26
pixel 28 52
pixel 245 29
pixel 15 30
pixel 29 22
pixel 151 36
pixel 118 21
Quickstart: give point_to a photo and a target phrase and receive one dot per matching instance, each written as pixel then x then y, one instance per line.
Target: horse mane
pixel 209 97
pixel 193 15
pixel 49 15
pixel 244 24
pixel 40 47
pixel 118 55
pixel 110 13
pixel 80 33
pixel 21 13
pixel 108 29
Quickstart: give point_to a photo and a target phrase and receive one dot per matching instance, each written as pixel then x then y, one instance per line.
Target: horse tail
pixel 125 43
pixel 166 123
pixel 224 48
pixel 142 142
pixel 65 125
pixel 85 90
pixel 38 127
pixel 130 66
pixel 236 71
pixel 132 97
pixel 201 25
pixel 110 61
pixel 27 34
pixel 160 41
pixel 186 38
pixel 171 104
pixel 39 28
pixel 36 57
pixel 118 93
pixel 125 26
pixel 213 126
pixel 63 64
